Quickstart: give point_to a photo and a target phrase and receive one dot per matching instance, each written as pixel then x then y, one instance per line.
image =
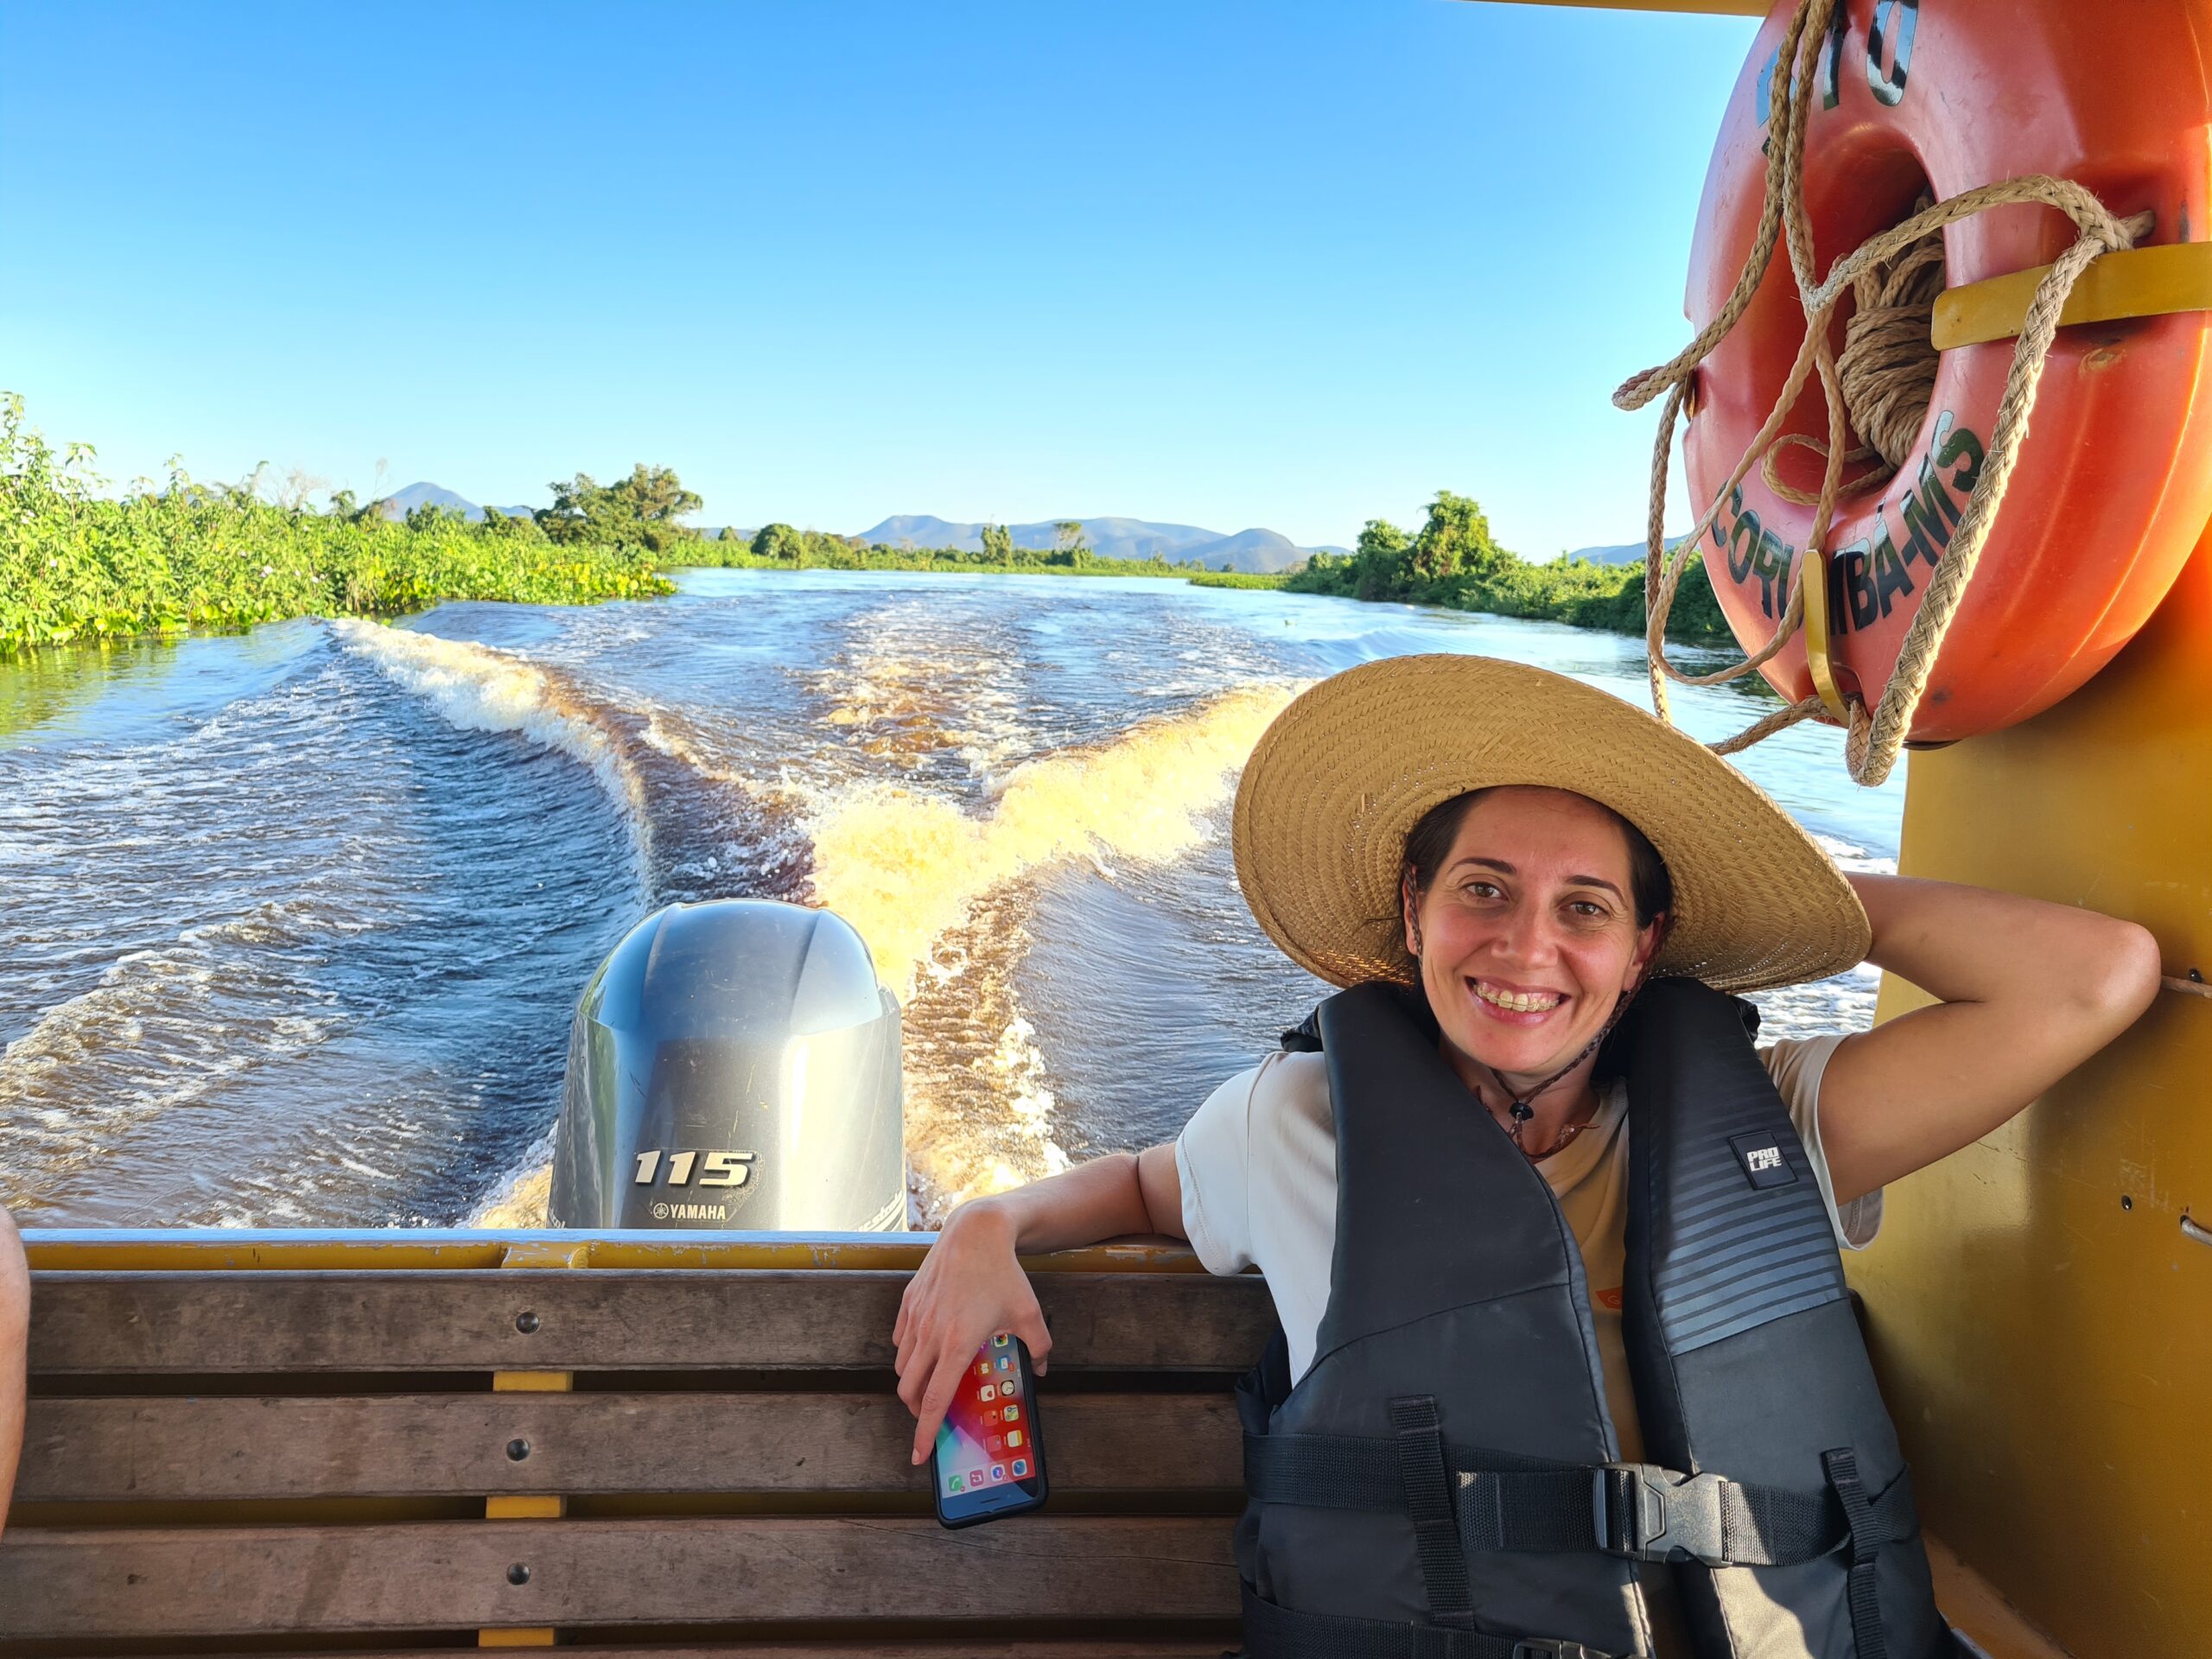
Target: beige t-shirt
pixel 1258 1164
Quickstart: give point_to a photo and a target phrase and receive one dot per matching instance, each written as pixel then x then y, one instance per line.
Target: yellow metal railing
pixel 396 1249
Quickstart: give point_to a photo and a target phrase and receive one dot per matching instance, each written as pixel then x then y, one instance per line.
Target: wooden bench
pixel 405 1441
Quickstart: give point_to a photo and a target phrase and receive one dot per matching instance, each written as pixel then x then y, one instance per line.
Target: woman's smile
pixel 1514 1005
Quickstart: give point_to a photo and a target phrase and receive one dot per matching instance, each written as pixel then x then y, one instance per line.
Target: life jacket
pixel 1444 1483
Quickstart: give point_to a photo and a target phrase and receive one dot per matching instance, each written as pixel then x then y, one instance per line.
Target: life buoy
pixel 1932 98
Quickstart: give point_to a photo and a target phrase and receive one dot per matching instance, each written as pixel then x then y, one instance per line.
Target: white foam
pixel 482 689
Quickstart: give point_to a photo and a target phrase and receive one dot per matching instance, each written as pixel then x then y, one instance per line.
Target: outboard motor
pixel 733 1065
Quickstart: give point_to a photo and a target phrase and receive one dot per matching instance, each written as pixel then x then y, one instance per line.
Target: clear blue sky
pixel 1296 264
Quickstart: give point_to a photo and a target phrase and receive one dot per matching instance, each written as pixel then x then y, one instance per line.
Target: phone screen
pixel 988 1460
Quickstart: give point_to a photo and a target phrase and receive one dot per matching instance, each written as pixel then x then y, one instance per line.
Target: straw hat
pixel 1349 768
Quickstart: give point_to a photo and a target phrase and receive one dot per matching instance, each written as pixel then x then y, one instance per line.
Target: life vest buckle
pixel 1538 1647
pixel 1649 1513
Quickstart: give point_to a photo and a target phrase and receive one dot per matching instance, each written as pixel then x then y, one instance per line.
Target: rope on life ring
pixel 1870 393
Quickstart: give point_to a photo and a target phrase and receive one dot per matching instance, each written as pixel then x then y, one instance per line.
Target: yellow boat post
pixel 2038 1301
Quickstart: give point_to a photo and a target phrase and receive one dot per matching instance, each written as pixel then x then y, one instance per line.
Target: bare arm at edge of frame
pixel 969 1286
pixel 2026 991
pixel 14 1344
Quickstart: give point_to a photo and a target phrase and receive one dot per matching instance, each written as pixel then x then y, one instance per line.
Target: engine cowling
pixel 733 1065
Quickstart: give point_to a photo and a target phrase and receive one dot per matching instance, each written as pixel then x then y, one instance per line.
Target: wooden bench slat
pixel 598 1320
pixel 1166 1647
pixel 921 1647
pixel 72 1583
pixel 102 1449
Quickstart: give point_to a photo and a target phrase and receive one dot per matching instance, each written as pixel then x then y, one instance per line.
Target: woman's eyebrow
pixel 1505 868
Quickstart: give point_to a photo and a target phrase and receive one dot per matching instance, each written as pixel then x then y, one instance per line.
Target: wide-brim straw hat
pixel 1345 770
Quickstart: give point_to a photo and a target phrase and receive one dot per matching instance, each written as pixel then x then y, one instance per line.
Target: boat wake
pixel 699 830
pixel 936 888
pixel 162 1030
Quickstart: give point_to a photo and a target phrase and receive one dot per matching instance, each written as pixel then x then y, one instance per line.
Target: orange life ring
pixel 2114 482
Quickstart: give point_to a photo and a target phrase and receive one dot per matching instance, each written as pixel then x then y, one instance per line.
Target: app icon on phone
pixel 999 1341
pixel 1012 1413
pixel 954 1483
pixel 1006 1362
pixel 982 1368
pixel 1021 1467
pixel 998 1472
pixel 1013 1438
pixel 996 1443
pixel 975 1477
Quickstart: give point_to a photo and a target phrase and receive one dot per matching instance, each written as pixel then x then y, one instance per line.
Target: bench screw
pixel 517 1450
pixel 526 1322
pixel 518 1573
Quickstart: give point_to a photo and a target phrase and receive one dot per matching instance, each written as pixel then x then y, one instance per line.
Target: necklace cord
pixel 1519 1108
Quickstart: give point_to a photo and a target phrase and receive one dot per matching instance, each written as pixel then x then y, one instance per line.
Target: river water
pixel 292 923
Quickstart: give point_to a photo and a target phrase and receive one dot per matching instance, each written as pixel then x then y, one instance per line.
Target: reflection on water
pixel 295 921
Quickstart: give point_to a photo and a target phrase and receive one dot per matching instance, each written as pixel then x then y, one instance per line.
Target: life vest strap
pixel 1425 1490
pixel 1273 1632
pixel 1505 1502
pixel 1867 1637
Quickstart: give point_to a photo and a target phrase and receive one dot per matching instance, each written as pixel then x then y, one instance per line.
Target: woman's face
pixel 1527 936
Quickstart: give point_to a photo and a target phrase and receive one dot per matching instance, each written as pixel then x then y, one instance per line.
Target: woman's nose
pixel 1529 935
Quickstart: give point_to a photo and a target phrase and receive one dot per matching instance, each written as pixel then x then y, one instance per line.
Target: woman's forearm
pixel 2025 991
pixel 1974 945
pixel 1107 1197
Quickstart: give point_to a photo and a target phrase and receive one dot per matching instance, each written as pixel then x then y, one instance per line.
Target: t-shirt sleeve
pixel 1211 1162
pixel 1796 1065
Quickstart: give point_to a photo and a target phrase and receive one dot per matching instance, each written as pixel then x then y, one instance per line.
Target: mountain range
pixel 1262 551
pixel 1627 553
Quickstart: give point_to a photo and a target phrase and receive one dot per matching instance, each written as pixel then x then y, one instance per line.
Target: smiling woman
pixel 1540 1223
pixel 1611 893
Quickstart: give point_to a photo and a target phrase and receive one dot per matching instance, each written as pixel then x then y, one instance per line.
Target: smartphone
pixel 988 1462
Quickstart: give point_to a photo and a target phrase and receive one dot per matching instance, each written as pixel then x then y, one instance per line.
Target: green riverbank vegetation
pixel 181 556
pixel 782 547
pixel 1453 560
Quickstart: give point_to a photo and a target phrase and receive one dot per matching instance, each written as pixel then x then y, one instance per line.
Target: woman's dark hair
pixel 1428 843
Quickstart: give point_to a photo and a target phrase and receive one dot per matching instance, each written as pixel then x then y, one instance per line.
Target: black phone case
pixel 953 1524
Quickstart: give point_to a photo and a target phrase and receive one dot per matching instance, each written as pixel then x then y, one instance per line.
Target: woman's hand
pixel 969 1289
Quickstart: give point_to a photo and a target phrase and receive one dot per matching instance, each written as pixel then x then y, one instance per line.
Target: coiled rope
pixel 1880 388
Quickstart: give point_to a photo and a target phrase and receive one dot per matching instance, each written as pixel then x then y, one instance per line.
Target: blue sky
pixel 1225 264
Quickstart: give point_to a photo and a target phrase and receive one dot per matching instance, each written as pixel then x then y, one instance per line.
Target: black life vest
pixel 1444 1482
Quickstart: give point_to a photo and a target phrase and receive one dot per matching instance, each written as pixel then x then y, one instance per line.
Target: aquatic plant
pixel 183 557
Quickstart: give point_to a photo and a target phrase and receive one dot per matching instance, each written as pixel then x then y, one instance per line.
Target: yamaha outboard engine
pixel 733 1065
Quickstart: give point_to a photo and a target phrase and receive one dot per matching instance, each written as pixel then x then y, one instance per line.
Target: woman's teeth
pixel 1518 1002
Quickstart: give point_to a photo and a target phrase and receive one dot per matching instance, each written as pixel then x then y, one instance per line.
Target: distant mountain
pixel 1627 553
pixel 400 503
pixel 1263 551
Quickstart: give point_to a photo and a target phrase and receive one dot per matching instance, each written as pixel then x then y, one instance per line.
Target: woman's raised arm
pixel 969 1286
pixel 2027 991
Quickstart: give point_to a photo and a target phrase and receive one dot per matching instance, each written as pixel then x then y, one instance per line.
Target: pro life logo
pixel 1764 1162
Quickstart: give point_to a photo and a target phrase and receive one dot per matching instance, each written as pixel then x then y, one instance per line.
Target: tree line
pixel 1453 560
